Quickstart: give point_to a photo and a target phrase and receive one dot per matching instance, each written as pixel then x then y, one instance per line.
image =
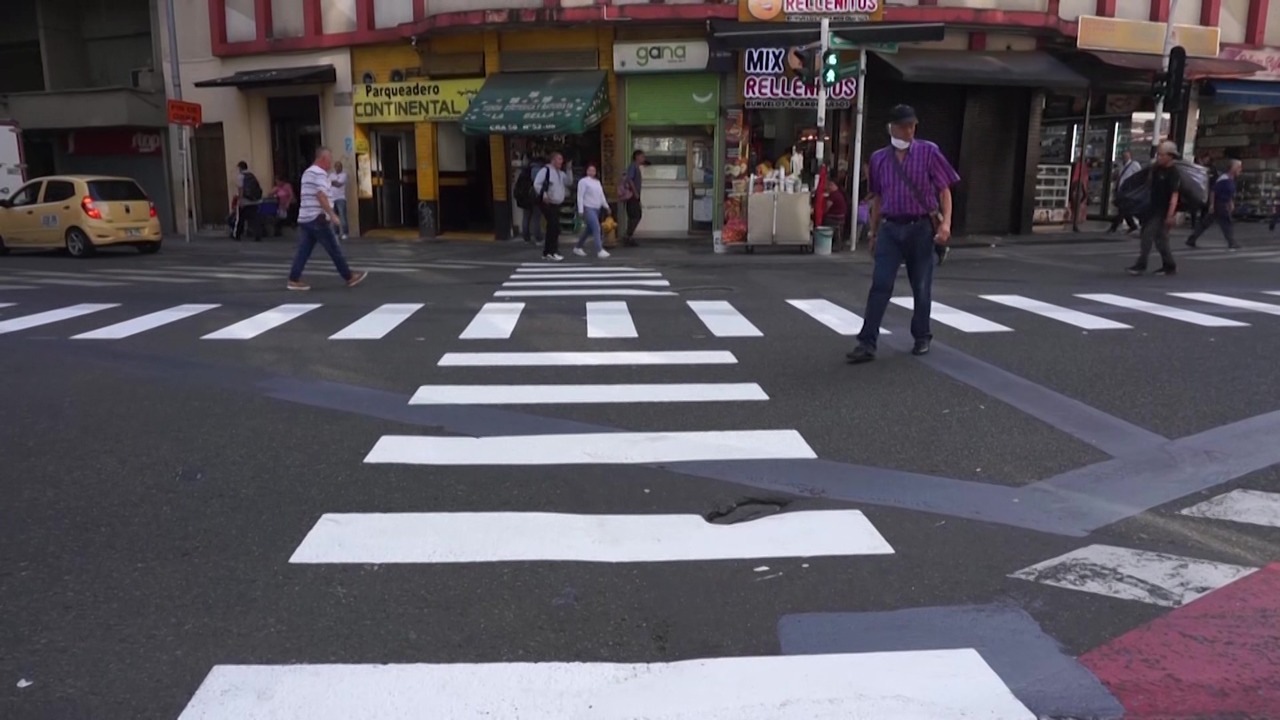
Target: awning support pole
pixel 1084 152
pixel 856 165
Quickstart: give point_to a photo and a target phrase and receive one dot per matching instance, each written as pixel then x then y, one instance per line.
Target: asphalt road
pixel 164 491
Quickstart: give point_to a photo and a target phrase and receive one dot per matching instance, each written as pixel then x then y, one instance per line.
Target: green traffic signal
pixel 831 67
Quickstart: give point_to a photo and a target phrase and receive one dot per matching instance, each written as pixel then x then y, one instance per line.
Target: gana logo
pixel 647 53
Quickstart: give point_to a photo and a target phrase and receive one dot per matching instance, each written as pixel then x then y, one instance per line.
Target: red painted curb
pixel 1217 657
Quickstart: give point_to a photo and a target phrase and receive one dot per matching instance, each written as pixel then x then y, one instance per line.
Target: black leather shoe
pixel 921 348
pixel 861 354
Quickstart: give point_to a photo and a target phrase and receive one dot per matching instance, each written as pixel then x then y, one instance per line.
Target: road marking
pixel 5 305
pixel 908 685
pixel 494 321
pixel 1056 312
pixel 609 319
pixel 477 537
pixel 18 287
pixel 223 275
pixel 1272 292
pixel 958 319
pixel 831 315
pixel 585 394
pixel 142 324
pixel 155 279
pixel 546 359
pixel 579 293
pixel 1226 301
pixel 723 319
pixel 378 323
pixel 620 448
pixel 1243 506
pixel 262 322
pixel 1165 311
pixel 544 267
pixel 1150 577
pixel 586 283
pixel 53 280
pixel 586 276
pixel 52 316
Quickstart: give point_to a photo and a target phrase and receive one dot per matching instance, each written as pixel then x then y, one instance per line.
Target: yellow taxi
pixel 79 212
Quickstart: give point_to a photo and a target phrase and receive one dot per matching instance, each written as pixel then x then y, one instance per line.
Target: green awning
pixel 539 103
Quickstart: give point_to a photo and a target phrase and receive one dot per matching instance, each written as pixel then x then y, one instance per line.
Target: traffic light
pixel 1176 78
pixel 830 68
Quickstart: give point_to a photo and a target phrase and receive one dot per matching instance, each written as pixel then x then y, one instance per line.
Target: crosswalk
pixel 175 275
pixel 945 682
pixel 1159 578
pixel 534 280
pixel 617 319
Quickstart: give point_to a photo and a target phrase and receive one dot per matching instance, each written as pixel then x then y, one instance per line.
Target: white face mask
pixel 900 143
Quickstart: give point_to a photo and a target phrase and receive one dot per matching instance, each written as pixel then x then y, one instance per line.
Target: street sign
pixel 840 43
pixel 1142 36
pixel 185 113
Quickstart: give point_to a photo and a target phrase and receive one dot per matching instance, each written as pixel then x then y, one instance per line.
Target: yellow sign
pixel 1141 36
pixel 413 101
pixel 810 10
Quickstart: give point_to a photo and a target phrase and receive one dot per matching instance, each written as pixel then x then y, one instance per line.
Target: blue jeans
pixel 315 231
pixel 896 244
pixel 592 227
pixel 340 207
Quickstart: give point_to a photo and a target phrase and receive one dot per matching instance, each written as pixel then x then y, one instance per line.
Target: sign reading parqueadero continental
pixel 413 101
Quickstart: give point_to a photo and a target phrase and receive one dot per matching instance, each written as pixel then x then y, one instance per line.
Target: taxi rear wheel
pixel 78 243
pixel 4 249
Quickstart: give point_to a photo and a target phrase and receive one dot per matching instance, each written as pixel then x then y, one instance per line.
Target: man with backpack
pixel 531 215
pixel 629 193
pixel 551 188
pixel 248 198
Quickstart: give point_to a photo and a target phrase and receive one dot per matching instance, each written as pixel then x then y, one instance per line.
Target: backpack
pixel 524 188
pixel 252 188
pixel 626 189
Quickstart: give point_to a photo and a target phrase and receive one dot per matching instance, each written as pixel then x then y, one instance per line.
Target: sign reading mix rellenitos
pixel 413 101
pixel 810 10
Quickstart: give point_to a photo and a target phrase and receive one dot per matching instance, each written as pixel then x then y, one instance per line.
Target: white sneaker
pixel 579 252
pixel 557 257
pixel 602 254
pixel 552 258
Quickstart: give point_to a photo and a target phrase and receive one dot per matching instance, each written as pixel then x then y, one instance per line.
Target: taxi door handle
pixel 66 207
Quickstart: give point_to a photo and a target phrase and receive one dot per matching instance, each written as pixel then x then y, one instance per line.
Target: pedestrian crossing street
pixel 1159 578
pixel 17 279
pixel 615 319
pixel 926 683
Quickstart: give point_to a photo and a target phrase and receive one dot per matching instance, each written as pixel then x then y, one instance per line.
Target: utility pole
pixel 1164 69
pixel 184 142
pixel 819 204
pixel 855 166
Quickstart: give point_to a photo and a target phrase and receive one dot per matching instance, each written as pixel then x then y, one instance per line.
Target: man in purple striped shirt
pixel 910 184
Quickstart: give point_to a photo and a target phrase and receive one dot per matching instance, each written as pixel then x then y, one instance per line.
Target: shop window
pixel 287 19
pixel 451 148
pixel 338 16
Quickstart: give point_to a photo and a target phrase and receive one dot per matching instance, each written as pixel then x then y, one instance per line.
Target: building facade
pixel 388 84
pixel 82 79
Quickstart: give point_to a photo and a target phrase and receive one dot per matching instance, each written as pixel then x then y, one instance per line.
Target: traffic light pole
pixel 1164 66
pixel 820 192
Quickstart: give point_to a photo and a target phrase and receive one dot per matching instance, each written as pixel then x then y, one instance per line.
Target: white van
pixel 12 171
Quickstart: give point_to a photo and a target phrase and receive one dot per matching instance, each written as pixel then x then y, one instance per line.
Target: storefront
pixel 1240 119
pixel 672 117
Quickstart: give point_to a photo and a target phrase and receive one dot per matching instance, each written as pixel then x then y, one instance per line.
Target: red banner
pixel 115 141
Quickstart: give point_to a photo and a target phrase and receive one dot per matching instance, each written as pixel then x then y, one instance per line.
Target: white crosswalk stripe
pixel 260 323
pixel 545 267
pixel 620 448
pixel 909 685
pixel 475 537
pixel 586 283
pixel 1252 507
pixel 495 321
pixel 1057 312
pixel 378 323
pixel 610 320
pixel 52 316
pixel 1128 574
pixel 581 293
pixel 958 319
pixel 1215 299
pixel 52 279
pixel 18 287
pixel 833 316
pixel 586 276
pixel 723 319
pixel 1173 313
pixel 585 394
pixel 151 321
pixel 551 359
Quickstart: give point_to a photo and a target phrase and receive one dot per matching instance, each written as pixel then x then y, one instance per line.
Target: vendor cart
pixel 778 217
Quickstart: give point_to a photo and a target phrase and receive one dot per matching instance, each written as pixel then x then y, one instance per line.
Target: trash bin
pixel 822 238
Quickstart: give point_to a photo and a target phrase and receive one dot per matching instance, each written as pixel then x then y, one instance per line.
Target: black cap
pixel 901 114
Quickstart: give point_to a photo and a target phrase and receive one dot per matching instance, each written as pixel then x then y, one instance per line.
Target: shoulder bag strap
pixel 915 189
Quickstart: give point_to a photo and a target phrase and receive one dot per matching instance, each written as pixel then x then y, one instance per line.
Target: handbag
pixel 935 216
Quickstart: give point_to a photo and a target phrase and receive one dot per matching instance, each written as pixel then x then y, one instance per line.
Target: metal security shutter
pixel 992 159
pixel 669 100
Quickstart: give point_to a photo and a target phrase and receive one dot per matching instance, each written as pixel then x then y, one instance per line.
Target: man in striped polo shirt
pixel 316 221
pixel 910 183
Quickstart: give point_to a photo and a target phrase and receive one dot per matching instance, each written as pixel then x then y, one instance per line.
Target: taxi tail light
pixel 152 208
pixel 90 209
